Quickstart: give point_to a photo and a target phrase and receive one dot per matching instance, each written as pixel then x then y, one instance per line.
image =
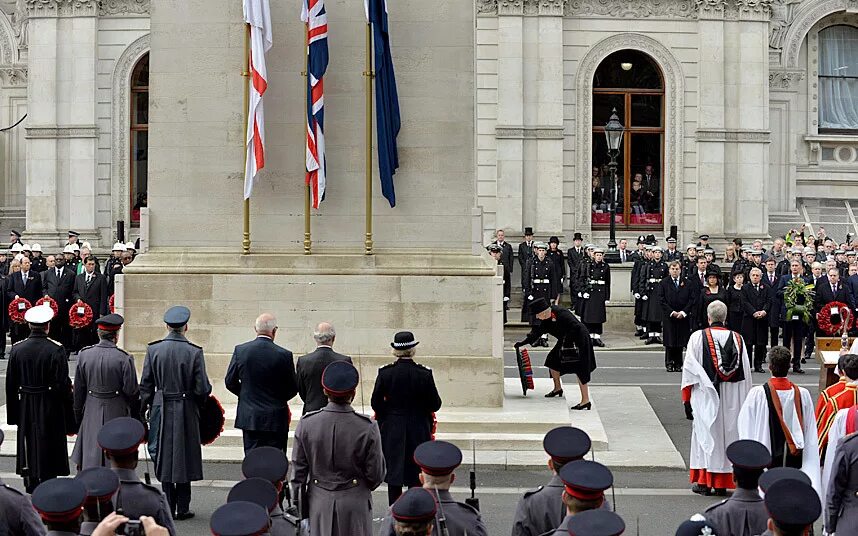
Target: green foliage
pixel 798 300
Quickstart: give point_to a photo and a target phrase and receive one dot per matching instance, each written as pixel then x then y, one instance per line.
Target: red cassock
pixel 826 395
pixel 845 399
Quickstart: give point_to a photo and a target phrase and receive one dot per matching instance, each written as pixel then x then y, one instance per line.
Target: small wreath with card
pixel 832 318
pixel 80 315
pixel 50 301
pixel 17 309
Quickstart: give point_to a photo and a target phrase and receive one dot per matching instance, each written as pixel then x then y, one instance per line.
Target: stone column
pixel 61 131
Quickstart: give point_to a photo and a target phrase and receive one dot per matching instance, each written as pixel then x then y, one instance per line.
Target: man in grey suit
pixel 262 376
pixel 311 366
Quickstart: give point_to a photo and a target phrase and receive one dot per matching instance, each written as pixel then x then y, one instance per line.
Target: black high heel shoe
pixel 586 406
pixel 553 393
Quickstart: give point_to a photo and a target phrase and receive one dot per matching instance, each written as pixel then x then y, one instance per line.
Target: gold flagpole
pixel 369 74
pixel 245 244
pixel 308 242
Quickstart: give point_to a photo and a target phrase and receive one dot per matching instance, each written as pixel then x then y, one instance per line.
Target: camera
pixel 134 528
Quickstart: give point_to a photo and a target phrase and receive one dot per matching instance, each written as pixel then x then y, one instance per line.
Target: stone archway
pixel 674 116
pixel 804 20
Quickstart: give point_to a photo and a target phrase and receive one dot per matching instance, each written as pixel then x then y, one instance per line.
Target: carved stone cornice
pixel 53 132
pixel 62 8
pixel 532 8
pixel 123 7
pixel 785 79
pixel 633 9
pixel 14 75
pixel 734 136
pixel 486 8
pixel 711 9
pixel 760 10
pixel 529 133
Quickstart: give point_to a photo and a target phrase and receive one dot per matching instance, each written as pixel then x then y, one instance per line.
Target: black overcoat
pixel 596 283
pixel 675 331
pixel 567 330
pixel 756 331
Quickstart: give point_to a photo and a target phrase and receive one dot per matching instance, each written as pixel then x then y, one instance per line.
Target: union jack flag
pixel 314 15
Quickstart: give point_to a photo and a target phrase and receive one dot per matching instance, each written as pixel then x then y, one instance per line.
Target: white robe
pixel 835 434
pixel 714 425
pixel 754 424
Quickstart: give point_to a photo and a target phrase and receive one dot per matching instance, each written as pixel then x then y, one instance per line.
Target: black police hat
pixel 121 435
pixel 528 231
pixel 749 454
pixel 577 236
pixel 15 233
pixel 239 518
pixel 177 316
pixel 697 526
pixel 59 500
pixel 704 237
pixel 538 305
pixel 73 233
pixel 256 490
pixel 793 503
pixel 437 458
pixel 641 239
pixel 494 248
pixel 340 377
pixel 100 482
pixel 403 341
pixel 776 474
pixel 268 463
pixel 416 504
pixel 596 523
pixel 566 443
pixel 586 480
pixel 111 322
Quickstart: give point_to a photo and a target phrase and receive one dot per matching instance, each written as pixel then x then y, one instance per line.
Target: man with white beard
pixel 716 378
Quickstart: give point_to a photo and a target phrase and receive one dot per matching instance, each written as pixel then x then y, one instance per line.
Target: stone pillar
pixel 61 131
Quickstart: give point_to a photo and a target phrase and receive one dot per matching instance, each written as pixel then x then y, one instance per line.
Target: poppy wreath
pixel 823 318
pixel 17 309
pixel 212 419
pixel 78 321
pixel 50 301
pixel 111 302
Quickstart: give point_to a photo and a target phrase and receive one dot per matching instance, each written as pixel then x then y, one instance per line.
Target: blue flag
pixel 386 99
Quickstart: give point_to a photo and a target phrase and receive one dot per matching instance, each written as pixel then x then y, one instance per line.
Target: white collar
pixel 324 346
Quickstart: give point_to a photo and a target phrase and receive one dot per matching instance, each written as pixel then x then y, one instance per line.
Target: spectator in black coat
pixel 506 250
pixel 90 287
pixel 756 306
pixel 310 368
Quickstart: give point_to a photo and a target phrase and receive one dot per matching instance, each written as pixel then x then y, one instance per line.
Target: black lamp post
pixel 614 135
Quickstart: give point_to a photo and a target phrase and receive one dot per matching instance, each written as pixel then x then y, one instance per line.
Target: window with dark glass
pixel 838 79
pixel 139 138
pixel 630 82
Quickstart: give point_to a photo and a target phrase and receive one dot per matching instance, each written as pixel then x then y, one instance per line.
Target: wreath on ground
pixel 17 309
pixel 80 315
pixel 824 318
pixel 798 300
pixel 212 419
pixel 50 301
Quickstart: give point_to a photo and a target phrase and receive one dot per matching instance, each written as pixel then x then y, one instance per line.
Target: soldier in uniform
pixel 540 510
pixel 112 268
pixel 640 260
pixel 574 256
pixel 525 252
pixel 337 455
pixel 105 387
pixel 597 293
pixel 404 400
pixel 584 485
pixel 101 485
pixel 120 439
pixel 653 273
pixel 262 492
pixel 39 398
pixel 17 515
pixel 744 513
pixel 59 502
pixel 414 513
pixel 437 461
pixel 37 258
pixel 496 252
pixel 539 282
pixel 14 238
pixel 239 518
pixel 175 385
pixel 841 505
pixel 793 506
pixel 672 254
pixel 269 464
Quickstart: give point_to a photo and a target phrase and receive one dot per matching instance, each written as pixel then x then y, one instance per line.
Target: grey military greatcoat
pixel 139 499
pixel 541 510
pixel 743 514
pixel 841 504
pixel 105 387
pixel 337 454
pixel 17 515
pixel 462 520
pixel 175 384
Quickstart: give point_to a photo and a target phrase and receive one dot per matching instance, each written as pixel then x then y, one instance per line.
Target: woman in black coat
pixel 713 291
pixel 676 301
pixel 735 311
pixel 570 333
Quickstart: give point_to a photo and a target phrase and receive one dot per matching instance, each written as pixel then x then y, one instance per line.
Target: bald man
pixel 310 367
pixel 262 375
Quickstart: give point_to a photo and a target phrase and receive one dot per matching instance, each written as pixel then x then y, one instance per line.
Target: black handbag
pixel 569 354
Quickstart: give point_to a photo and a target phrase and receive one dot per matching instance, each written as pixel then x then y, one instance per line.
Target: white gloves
pixel 579 295
pixel 530 297
pixel 586 295
pixel 607 302
pixel 637 296
pixel 506 298
pixel 645 298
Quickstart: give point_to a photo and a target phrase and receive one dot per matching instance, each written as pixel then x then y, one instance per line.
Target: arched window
pixel 838 79
pixel 139 138
pixel 630 82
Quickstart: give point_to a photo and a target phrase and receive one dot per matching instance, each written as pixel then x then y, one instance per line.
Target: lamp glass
pixel 614 132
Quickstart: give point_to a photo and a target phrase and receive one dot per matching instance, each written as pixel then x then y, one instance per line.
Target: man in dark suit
pixel 506 250
pixel 832 290
pixel 311 366
pixel 525 252
pixel 794 328
pixel 25 284
pixel 262 375
pixel 756 306
pixel 58 283
pixel 89 287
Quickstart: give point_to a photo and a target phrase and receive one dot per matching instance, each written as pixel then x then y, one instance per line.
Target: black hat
pixel 73 233
pixel 267 463
pixel 256 490
pixel 239 518
pixel 671 240
pixel 641 239
pixel 437 458
pixel 177 316
pixel 121 435
pixel 650 239
pixel 586 480
pixel 403 341
pixel 111 322
pixel 749 454
pixel 566 443
pixel 416 504
pixel 596 523
pixel 340 377
pixel 704 237
pixel 793 503
pixel 776 474
pixel 538 305
pixel 710 270
pixel 697 526
pixel 577 236
pixel 494 248
pixel 15 233
pixel 528 231
pixel 100 482
pixel 554 240
pixel 59 500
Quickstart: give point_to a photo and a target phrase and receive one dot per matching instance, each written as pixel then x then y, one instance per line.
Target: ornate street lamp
pixel 614 131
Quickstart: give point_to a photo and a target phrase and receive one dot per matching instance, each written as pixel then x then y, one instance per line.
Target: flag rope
pixel 245 73
pixel 369 74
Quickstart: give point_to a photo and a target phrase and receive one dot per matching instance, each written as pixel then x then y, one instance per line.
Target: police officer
pixel 14 237
pixel 262 492
pixel 596 295
pixel 541 510
pixel 672 254
pixel 698 525
pixel 175 385
pixel 539 282
pixel 584 485
pixel 437 461
pixel 792 505
pixel 270 464
pixel 37 259
pixel 337 455
pixel 414 513
pixel 596 523
pixel 640 259
pixel 101 485
pixel 105 387
pixel 239 518
pixel 404 400
pixel 120 439
pixel 653 273
pixel 841 506
pixel 59 502
pixel 17 515
pixel 743 514
pixel 39 398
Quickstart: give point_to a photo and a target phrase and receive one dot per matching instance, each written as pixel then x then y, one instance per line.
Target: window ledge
pixel 833 138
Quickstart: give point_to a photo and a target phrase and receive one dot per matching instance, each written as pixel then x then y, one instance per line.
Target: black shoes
pixel 181 516
pixel 586 406
pixel 720 492
pixel 700 489
pixel 599 343
pixel 759 370
pixel 639 332
pixel 797 370
pixel 541 342
pixel 553 393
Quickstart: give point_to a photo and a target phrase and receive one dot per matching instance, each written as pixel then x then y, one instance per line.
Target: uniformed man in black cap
pixel 414 513
pixel 39 401
pixel 703 240
pixel 793 508
pixel 539 282
pixel 595 523
pixel 59 502
pixel 652 274
pixel 841 505
pixel 540 510
pixel 496 252
pixel 698 525
pixel 525 252
pixel 239 518
pixel 262 492
pixel 17 515
pixel 437 461
pixel 73 238
pixel 639 258
pixel 175 385
pixel 120 439
pixel 14 238
pixel 672 254
pixel 105 387
pixel 404 399
pixel 337 456
pixel 101 485
pixel 584 485
pixel 269 463
pixel 596 284
pixel 743 514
